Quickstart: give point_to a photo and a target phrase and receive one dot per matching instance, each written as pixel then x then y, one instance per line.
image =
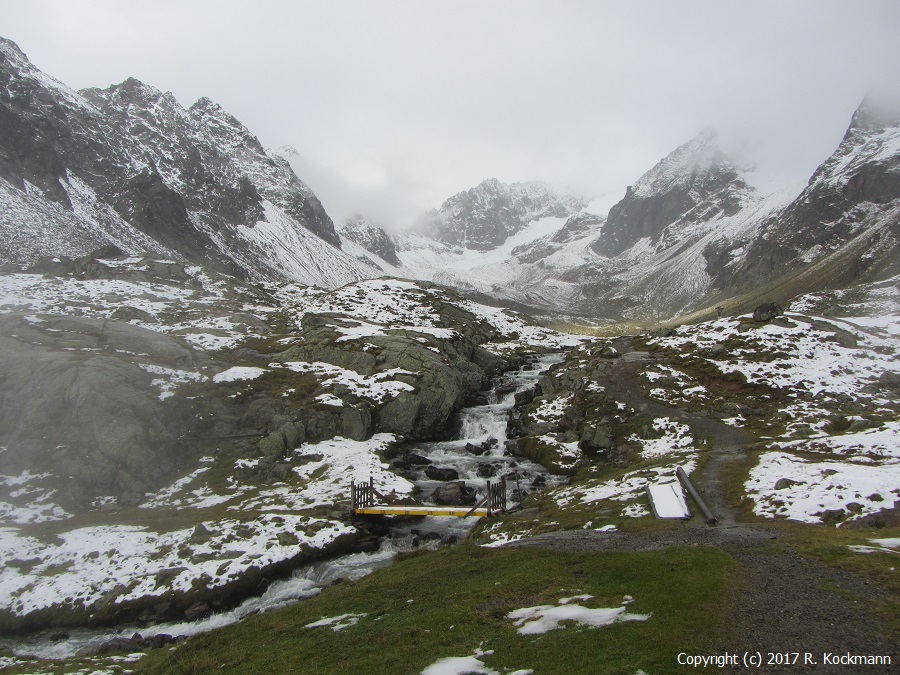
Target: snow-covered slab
pixel 676 438
pixel 343 461
pixel 379 387
pixel 667 500
pixel 239 373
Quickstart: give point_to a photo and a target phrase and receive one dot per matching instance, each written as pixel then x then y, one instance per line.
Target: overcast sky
pixel 394 106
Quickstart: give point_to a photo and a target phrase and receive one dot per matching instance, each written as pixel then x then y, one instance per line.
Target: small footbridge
pixel 363 497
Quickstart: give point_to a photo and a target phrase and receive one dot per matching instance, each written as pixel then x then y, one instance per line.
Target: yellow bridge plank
pixel 458 511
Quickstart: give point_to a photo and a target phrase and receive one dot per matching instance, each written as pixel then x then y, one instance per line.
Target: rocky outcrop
pixel 441 373
pixel 77 406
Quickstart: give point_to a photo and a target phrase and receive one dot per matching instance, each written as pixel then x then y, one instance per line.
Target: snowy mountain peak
pixel 373 238
pixel 485 216
pixel 682 167
pixel 875 112
pixel 695 183
pixel 224 126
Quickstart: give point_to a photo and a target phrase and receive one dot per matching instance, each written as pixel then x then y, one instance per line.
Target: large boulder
pixel 454 494
pixel 78 404
pixel 767 311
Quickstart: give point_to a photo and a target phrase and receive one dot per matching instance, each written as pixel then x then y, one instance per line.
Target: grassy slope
pixel 455 601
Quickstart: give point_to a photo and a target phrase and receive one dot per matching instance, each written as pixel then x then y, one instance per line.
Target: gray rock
pixel 767 311
pixel 76 404
pixel 355 423
pixel 196 611
pixel 441 473
pixel 454 494
pixel 272 445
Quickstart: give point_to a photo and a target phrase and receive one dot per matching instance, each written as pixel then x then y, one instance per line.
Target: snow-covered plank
pixel 667 500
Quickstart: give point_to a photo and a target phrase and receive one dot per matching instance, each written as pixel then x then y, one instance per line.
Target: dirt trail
pixel 726 443
pixel 781 602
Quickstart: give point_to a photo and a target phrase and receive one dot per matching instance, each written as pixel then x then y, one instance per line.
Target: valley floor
pixel 788 428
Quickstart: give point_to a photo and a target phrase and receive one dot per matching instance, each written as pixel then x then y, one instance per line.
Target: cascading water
pixel 481 427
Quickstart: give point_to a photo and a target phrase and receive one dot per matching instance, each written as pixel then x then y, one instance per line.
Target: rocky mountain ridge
pixel 692 232
pixel 485 216
pixel 129 166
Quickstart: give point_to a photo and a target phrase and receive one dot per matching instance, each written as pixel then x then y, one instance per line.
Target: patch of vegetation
pixel 455 601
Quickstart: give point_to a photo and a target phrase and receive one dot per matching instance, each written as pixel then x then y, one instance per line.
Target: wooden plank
pixel 459 512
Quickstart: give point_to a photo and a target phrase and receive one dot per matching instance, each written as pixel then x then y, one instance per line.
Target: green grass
pixel 831 546
pixel 454 601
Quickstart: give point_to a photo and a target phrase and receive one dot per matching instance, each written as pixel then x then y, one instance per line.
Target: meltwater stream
pixel 481 429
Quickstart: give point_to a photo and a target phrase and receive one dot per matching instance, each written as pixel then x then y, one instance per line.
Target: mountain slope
pixel 129 165
pixel 853 195
pixel 693 184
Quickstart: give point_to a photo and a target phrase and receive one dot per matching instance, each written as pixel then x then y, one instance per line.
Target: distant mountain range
pixel 129 166
pixel 690 232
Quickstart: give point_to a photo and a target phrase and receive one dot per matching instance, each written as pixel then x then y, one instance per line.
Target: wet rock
pixel 454 494
pixel 272 445
pixel 475 449
pixel 417 460
pixel 288 539
pixel 280 471
pixel 355 423
pixel 200 534
pixel 198 610
pixel 831 516
pixel 426 536
pixel 59 635
pixel 441 473
pixel 164 577
pixel 401 465
pixel 486 470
